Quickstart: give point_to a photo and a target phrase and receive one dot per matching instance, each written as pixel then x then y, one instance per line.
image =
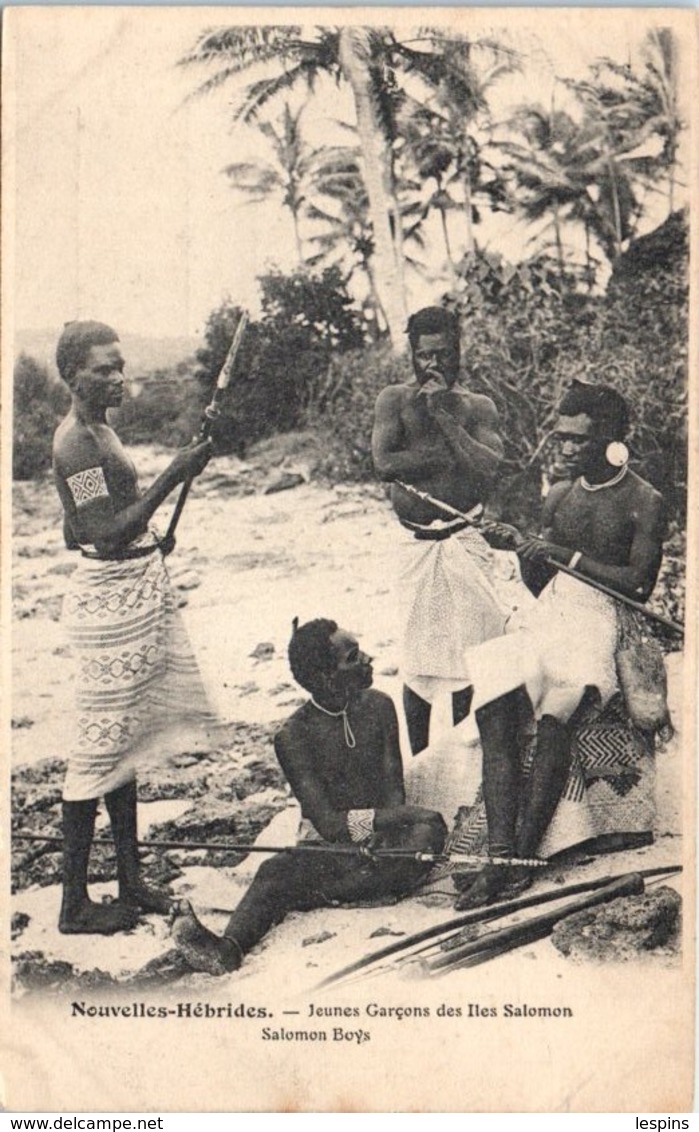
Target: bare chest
pixel 600 523
pixel 418 421
pixel 119 468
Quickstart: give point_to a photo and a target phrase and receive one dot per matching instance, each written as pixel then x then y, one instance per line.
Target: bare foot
pixel 147 898
pixel 204 951
pixel 97 919
pixel 492 883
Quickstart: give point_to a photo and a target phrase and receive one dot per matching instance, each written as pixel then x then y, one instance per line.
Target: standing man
pixel 436 435
pixel 607 523
pixel 341 757
pixel 137 681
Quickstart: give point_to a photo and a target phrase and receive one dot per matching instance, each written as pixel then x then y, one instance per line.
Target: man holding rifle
pixel 138 686
pixel 605 523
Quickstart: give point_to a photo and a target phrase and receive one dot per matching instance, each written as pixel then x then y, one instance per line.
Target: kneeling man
pixel 341 756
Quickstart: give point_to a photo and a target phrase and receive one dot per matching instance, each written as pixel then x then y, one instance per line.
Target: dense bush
pixel 39 402
pixel 284 361
pixel 344 410
pixel 167 410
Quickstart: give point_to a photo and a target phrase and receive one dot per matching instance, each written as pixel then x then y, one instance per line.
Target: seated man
pixel 606 523
pixel 341 756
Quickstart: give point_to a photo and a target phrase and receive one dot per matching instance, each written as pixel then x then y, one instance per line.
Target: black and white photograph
pixel 348 613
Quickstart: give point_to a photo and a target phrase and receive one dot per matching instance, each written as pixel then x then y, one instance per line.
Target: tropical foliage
pixel 425 143
pixel 38 405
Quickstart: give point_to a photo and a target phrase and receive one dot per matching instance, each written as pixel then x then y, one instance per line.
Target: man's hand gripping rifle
pixel 211 413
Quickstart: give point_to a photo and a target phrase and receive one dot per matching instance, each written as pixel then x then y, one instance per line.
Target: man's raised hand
pixel 191 461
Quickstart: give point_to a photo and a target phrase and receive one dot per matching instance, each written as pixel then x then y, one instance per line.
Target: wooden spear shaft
pixel 210 413
pixel 309 846
pixel 483 915
pixel 506 939
pixel 468 518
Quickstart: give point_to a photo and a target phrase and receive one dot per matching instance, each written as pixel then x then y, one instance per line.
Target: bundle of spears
pixel 450 946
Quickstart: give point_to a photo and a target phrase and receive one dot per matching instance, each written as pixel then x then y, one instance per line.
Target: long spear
pixel 483 915
pixel 211 412
pixel 473 522
pixel 306 846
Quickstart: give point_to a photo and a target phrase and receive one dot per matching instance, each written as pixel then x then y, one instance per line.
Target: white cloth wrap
pixel 138 689
pixel 564 642
pixel 449 603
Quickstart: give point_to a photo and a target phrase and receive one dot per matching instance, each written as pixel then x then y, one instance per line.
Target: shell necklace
pixel 607 483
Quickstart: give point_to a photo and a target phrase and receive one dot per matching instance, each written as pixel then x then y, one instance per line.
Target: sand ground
pixel 246 563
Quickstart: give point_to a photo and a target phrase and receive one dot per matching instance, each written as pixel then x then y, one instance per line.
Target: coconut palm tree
pixel 566 171
pixel 371 61
pixel 446 160
pixel 659 53
pixel 458 74
pixel 638 108
pixel 285 178
pixel 358 55
pixel 338 203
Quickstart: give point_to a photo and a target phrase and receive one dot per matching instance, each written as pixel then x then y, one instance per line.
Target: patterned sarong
pixel 139 694
pixel 610 789
pixel 449 603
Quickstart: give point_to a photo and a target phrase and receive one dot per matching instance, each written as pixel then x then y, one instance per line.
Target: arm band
pixel 360 824
pixel 575 558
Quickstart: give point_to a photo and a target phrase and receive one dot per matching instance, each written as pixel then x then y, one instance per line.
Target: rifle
pixel 472 520
pixel 211 413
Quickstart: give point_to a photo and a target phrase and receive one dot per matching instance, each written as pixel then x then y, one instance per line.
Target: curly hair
pixel 606 408
pixel 311 655
pixel 75 343
pixel 433 320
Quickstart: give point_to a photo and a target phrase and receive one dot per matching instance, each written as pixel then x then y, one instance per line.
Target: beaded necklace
pixel 607 483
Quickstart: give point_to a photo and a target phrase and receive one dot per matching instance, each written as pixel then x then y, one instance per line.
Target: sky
pixel 121 210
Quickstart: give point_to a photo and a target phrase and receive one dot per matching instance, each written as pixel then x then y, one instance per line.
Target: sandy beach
pixel 245 564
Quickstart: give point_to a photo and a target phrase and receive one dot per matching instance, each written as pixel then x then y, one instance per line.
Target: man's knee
pixel 551 726
pixel 275 872
pixel 429 834
pixel 509 710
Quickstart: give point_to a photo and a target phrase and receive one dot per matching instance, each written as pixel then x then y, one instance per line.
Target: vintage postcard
pixel 360 776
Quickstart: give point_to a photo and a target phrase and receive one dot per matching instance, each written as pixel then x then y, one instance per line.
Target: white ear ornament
pixel 617 454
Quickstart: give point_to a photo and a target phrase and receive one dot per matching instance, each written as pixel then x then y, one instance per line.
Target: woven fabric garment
pixel 139 695
pixel 610 788
pixel 566 641
pixel 449 603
